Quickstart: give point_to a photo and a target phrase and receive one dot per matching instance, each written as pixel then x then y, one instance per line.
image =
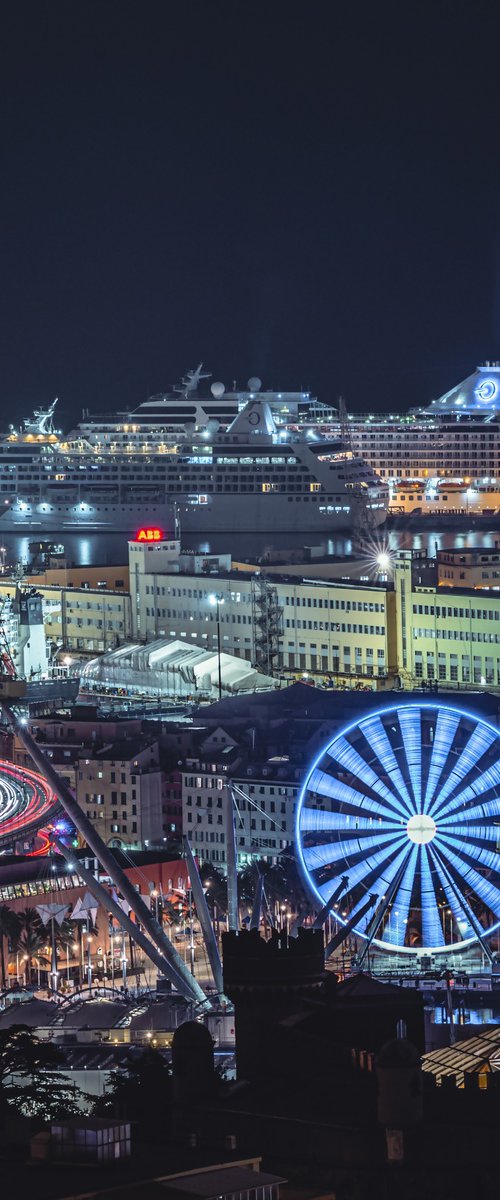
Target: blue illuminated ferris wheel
pixel 405 807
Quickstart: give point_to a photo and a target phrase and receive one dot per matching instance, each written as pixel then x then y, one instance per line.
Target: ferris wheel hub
pixel 421 829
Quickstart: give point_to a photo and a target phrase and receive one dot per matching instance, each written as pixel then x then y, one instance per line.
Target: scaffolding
pixel 267 623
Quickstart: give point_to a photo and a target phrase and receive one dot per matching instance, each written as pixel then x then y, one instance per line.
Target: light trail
pixel 26 802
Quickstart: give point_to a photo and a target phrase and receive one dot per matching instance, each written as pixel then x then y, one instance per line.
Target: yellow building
pixel 343 631
pixel 469 568
pixel 110 579
pixel 77 619
pixel 445 634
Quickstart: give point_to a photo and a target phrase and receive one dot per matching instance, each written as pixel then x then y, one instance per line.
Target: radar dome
pixel 212 426
pixel 217 390
pixel 254 384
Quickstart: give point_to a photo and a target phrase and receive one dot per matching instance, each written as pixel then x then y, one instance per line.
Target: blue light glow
pixel 417 760
pixel 486 391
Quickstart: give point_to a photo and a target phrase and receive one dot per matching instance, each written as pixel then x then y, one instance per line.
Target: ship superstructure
pixel 239 473
pixel 457 437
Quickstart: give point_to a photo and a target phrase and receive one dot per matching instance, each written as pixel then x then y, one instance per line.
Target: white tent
pixel 171 669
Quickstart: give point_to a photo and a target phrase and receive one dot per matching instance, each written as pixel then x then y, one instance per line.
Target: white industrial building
pixel 23 634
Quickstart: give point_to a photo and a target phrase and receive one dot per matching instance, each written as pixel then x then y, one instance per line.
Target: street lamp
pixel 89 962
pixel 216 600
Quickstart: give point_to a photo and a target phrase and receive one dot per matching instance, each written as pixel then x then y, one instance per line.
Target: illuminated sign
pixel 149 535
pixel 486 390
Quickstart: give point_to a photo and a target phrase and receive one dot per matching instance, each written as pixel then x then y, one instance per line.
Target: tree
pixel 9 928
pixel 31 940
pixel 29 1079
pixel 282 884
pixel 215 886
pixel 140 1092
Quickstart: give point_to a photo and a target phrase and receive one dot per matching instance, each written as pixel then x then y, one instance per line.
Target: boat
pixel 456 438
pixel 238 471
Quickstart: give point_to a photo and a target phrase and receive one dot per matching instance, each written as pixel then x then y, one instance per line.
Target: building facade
pixel 342 630
pixel 466 567
pixel 397 633
pixel 80 621
pixel 260 789
pixel 116 771
pixel 264 814
pixel 446 635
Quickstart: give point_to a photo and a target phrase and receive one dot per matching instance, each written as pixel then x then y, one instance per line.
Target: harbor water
pixel 110 549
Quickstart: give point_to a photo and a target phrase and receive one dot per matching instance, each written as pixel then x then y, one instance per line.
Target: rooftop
pixel 125 749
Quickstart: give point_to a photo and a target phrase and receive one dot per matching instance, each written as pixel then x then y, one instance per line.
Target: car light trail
pixel 26 802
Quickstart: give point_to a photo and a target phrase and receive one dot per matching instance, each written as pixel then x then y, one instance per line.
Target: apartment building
pixel 115 770
pixel 263 796
pixel 121 787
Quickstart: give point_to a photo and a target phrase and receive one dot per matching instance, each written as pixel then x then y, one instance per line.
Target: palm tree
pixel 31 940
pixel 66 934
pixel 215 886
pixel 9 928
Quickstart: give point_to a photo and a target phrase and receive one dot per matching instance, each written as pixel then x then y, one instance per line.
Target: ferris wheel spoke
pixel 454 899
pixel 444 733
pixel 328 787
pixel 376 736
pixel 432 933
pixel 401 900
pixel 352 761
pixel 411 730
pixel 377 870
pixel 486 891
pixel 333 852
pixel 487 808
pixel 316 820
pixel 484 856
pixel 474 924
pixel 489 779
pixel 480 740
pixel 477 835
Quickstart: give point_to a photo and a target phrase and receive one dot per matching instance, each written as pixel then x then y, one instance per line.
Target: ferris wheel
pixel 404 806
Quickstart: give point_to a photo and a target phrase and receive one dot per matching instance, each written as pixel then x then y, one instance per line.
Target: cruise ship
pixel 222 464
pixel 443 497
pixel 455 438
pixel 443 459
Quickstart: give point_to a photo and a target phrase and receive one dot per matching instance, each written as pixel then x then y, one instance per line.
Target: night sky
pixel 306 192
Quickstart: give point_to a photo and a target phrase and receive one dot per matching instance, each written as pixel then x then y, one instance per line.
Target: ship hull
pixel 230 514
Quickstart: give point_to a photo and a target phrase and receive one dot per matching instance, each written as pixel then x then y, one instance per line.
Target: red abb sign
pixel 149 535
